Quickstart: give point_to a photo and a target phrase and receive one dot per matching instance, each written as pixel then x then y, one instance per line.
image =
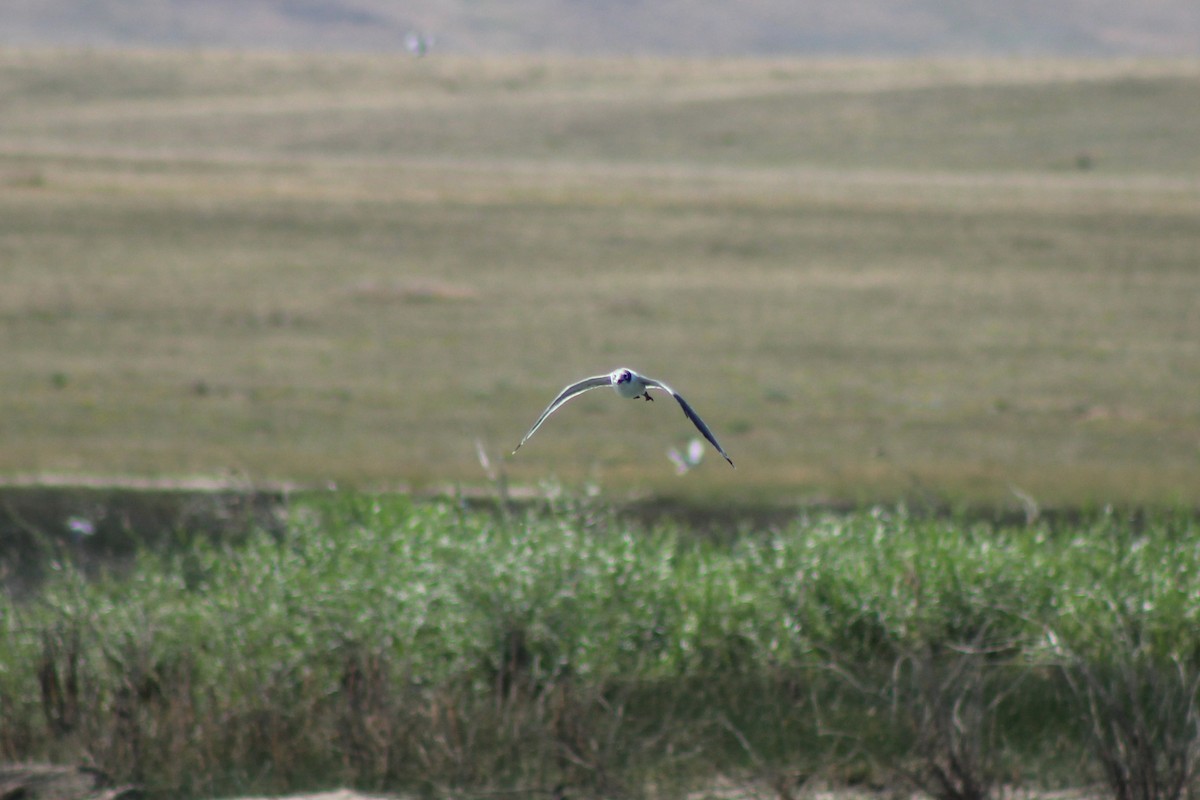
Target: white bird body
pixel 630 388
pixel 630 385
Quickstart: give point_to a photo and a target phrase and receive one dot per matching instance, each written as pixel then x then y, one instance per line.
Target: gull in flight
pixel 690 458
pixel 628 384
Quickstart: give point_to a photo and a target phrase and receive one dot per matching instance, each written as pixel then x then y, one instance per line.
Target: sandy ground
pixel 341 794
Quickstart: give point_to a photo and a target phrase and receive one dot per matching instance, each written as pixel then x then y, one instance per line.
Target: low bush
pixel 385 644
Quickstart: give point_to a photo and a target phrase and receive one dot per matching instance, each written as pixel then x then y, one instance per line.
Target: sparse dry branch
pixel 1143 717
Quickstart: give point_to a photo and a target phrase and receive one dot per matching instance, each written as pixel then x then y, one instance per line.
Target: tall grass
pixel 380 643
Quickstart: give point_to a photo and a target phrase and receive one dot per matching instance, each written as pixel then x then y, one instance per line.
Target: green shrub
pixel 386 644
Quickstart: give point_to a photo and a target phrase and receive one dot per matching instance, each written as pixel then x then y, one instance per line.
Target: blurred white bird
pixel 685 461
pixel 418 43
pixel 628 384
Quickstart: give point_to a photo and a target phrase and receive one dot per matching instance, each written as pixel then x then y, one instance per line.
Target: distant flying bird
pixel 685 461
pixel 631 385
pixel 418 43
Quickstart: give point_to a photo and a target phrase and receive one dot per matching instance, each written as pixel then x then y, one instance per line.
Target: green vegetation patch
pixel 376 642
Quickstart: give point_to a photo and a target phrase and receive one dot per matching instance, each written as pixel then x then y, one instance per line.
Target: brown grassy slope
pixel 670 27
pixel 871 278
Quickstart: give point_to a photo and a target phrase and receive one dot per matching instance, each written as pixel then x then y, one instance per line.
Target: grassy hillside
pixel 873 279
pixel 669 27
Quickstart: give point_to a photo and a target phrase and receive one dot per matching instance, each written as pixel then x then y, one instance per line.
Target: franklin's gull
pixel 628 384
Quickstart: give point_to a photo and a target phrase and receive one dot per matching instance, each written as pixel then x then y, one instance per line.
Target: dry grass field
pixel 875 280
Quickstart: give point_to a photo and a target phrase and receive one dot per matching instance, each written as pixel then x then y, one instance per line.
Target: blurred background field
pixel 960 279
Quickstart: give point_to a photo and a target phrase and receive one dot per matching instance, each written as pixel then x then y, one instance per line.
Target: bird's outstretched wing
pixel 594 382
pixel 691 414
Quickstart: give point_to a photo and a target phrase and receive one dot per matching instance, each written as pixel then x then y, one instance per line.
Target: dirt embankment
pixel 53 782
